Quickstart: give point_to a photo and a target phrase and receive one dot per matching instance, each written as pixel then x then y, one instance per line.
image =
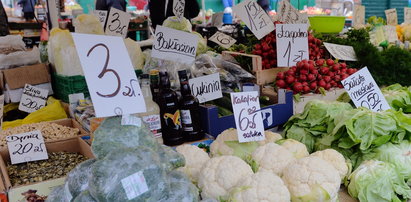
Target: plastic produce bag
pixel 20 58
pixel 57 195
pixel 171 158
pixel 84 196
pixel 88 24
pixel 181 188
pixel 111 135
pixel 14 42
pixel 77 179
pixel 53 111
pixel 111 173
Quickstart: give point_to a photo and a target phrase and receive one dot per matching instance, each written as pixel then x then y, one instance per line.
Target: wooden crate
pixel 263 76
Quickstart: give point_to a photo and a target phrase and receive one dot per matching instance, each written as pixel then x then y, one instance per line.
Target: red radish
pixel 344 76
pixel 324 70
pixel 350 71
pixel 319 77
pixel 330 62
pixel 306 89
pixel 306 66
pixel 315 72
pixel 303 77
pixel 298 87
pixel 280 83
pixel 288 88
pixel 305 83
pixel 290 80
pixel 343 65
pixel 280 75
pixel 313 85
pixel 294 68
pixel 322 83
pixel 311 68
pixel 290 72
pixel 331 74
pixel 343 71
pixel 340 85
pixel 336 67
pixel 304 72
pixel 300 65
pixel 337 78
pixel 328 86
pixel 311 62
pixel 320 62
pixel 311 77
pixel 327 79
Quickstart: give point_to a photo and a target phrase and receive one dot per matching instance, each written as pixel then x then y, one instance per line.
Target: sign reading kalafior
pixel 171 44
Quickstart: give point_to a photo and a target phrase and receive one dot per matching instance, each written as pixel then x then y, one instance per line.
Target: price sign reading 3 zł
pixel 247 115
pixel 117 23
pixel 110 76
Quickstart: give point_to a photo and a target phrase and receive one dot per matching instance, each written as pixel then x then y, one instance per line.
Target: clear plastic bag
pixel 181 188
pixel 20 58
pixel 14 42
pixel 77 179
pixel 58 195
pixel 171 158
pixel 84 196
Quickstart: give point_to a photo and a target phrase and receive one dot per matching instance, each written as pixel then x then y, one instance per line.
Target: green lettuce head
pixel 378 181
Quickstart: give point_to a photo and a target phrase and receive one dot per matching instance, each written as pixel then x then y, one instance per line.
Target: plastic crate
pixel 63 86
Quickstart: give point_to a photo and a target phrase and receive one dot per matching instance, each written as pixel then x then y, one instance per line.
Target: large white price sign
pixel 364 92
pixel 26 147
pixel 223 40
pixel 117 23
pixel 392 17
pixel 256 19
pixel 247 115
pixel 206 88
pixel 110 76
pixel 174 45
pixel 292 44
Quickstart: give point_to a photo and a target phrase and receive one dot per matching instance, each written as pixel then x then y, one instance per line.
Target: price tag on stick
pixel 178 8
pixel 26 147
pixel 33 98
pixel 364 92
pixel 256 19
pixel 289 15
pixel 110 76
pixel 392 17
pixel 101 15
pixel 117 23
pixel 247 115
pixel 359 15
pixel 223 40
pixel 206 88
pixel 292 44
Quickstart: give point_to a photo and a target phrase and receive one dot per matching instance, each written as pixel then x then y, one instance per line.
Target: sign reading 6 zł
pixel 110 76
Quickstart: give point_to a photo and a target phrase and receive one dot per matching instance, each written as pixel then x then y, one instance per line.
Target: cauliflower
pixel 227 144
pixel 195 160
pixel 136 55
pixel 88 24
pixel 261 186
pixel 298 149
pixel 335 159
pixel 221 174
pixel 312 179
pixel 272 157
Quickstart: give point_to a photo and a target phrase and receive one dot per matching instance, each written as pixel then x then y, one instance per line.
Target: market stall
pixel 298 104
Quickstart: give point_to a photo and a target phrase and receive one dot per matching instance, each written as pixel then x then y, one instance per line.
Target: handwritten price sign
pixel 392 17
pixel 110 77
pixel 223 40
pixel 341 52
pixel 407 15
pixel 255 18
pixel 292 44
pixel 33 98
pixel 247 115
pixel 26 147
pixel 289 15
pixel 101 15
pixel 359 15
pixel 364 92
pixel 178 8
pixel 117 23
pixel 206 88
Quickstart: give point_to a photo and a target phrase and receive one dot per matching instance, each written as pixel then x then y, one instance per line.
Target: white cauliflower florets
pixel 261 186
pixel 221 174
pixel 195 160
pixel 272 157
pixel 298 149
pixel 335 159
pixel 227 144
pixel 312 179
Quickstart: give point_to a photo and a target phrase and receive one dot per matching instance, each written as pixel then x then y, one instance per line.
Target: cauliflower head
pixel 272 157
pixel 261 186
pixel 88 24
pixel 270 137
pixel 298 149
pixel 195 160
pixel 312 179
pixel 220 174
pixel 335 159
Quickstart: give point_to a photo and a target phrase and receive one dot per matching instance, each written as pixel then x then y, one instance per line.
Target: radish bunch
pixel 309 75
pixel 315 49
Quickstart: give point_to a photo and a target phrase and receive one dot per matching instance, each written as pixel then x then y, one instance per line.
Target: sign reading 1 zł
pixel 364 92
pixel 256 19
pixel 110 76
pixel 292 44
pixel 247 115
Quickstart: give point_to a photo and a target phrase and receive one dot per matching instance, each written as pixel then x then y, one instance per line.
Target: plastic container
pixel 63 86
pixel 327 24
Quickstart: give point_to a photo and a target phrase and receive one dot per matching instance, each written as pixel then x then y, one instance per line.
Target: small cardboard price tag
pixel 111 81
pixel 289 15
pixel 392 17
pixel 26 147
pixel 206 88
pixel 174 45
pixel 33 98
pixel 178 8
pixel 74 98
pixel 364 92
pixel 256 19
pixel 130 120
pixel 217 19
pixel 247 115
pixel 223 40
pixel 407 15
pixel 101 15
pixel 341 52
pixel 117 23
pixel 390 33
pixel 359 15
pixel 292 44
pixel 134 185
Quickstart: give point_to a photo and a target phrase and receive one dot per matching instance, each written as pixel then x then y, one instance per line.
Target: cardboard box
pixel 43 188
pixel 273 115
pixel 72 124
pixel 14 80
